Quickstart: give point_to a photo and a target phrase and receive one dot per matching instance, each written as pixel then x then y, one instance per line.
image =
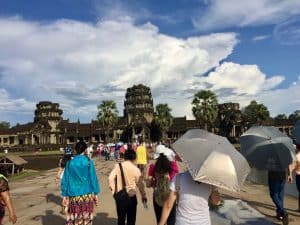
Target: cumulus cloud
pixel 241 79
pixel 80 64
pixel 233 82
pixel 234 13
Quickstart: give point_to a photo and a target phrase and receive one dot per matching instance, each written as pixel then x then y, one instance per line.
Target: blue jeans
pixel 276 189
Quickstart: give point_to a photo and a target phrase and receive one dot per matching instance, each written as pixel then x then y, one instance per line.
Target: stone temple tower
pixel 138 110
pixel 49 114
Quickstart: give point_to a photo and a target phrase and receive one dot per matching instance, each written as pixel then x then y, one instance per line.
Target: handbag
pixel 121 197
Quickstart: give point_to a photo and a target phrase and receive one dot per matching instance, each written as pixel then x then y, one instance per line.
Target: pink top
pixel 174 170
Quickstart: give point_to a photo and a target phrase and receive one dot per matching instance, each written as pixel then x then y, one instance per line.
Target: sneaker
pixel 285 219
pixel 279 217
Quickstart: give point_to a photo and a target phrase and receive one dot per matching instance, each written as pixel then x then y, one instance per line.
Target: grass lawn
pixel 24 174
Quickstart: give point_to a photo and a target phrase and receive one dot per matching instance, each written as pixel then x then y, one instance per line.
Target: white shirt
pixel 193 201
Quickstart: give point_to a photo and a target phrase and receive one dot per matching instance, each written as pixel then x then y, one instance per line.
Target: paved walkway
pixel 37 201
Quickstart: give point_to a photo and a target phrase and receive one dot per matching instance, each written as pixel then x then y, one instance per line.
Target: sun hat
pixel 161 149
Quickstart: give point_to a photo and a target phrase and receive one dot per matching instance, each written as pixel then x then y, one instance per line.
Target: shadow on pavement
pixel 53 198
pixel 271 207
pixel 103 219
pixel 50 218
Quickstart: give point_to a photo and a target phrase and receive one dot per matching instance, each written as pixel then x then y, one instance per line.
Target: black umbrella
pixel 267 148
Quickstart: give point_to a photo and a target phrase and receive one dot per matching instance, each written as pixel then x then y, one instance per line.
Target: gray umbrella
pixel 212 159
pixel 296 132
pixel 267 148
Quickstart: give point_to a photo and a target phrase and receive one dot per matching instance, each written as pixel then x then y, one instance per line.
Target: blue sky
pixel 80 52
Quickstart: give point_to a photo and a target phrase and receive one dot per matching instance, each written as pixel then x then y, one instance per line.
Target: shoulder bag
pixel 121 197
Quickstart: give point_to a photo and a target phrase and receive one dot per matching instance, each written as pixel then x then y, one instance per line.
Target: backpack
pixel 161 191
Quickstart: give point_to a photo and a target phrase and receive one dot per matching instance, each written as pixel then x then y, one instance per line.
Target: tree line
pixel 205 109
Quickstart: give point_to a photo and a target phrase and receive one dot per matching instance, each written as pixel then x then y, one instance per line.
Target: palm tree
pixel 256 113
pixel 107 115
pixel 163 118
pixel 205 107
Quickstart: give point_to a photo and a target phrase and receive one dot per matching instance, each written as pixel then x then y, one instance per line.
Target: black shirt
pixel 277 175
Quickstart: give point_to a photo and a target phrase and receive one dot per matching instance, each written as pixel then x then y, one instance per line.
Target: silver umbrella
pixel 267 148
pixel 296 132
pixel 212 159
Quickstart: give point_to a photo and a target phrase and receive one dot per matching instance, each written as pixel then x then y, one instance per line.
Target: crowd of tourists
pixel 132 172
pixel 177 198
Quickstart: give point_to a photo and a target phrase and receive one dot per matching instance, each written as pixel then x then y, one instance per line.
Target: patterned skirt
pixel 80 210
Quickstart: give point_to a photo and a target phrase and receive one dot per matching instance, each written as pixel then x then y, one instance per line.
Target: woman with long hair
pixel 159 176
pixel 80 187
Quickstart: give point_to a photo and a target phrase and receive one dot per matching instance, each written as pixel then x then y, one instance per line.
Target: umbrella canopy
pixel 267 148
pixel 296 132
pixel 212 159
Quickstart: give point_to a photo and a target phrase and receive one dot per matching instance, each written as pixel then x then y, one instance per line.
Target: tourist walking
pixel 123 180
pixel 80 187
pixel 159 176
pixel 141 158
pixel 276 184
pixel 62 163
pixel 295 166
pixel 5 199
pixel 90 151
pixel 192 201
pixel 68 154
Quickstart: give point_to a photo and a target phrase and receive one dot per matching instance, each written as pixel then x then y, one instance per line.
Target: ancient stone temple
pixel 50 131
pixel 43 131
pixel 138 111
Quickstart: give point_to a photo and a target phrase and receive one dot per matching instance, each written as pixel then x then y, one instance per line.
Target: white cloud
pixel 8 104
pixel 235 13
pixel 282 100
pixel 261 37
pixel 80 64
pixel 241 79
pixel 242 83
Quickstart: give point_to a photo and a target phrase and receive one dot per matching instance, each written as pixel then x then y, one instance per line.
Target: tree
pixel 163 118
pixel 229 115
pixel 280 117
pixel 205 107
pixel 4 124
pixel 295 115
pixel 107 115
pixel 256 113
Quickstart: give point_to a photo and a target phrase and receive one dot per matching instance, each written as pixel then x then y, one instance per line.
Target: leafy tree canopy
pixel 107 113
pixel 205 106
pixel 280 117
pixel 295 115
pixel 163 116
pixel 4 124
pixel 256 113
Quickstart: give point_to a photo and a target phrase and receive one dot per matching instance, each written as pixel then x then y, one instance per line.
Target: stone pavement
pixel 37 201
